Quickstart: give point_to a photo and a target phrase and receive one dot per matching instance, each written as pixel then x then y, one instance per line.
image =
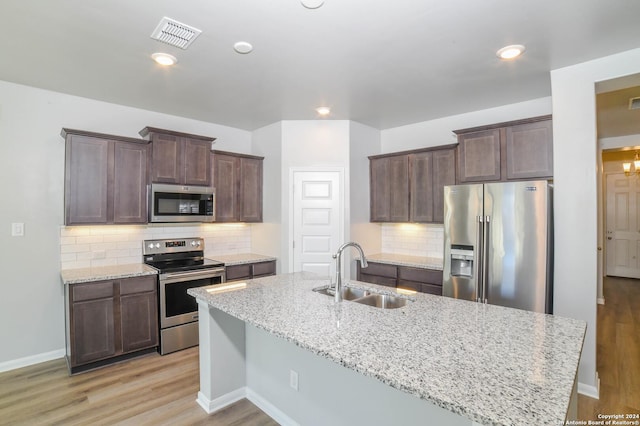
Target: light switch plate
pixel 17 229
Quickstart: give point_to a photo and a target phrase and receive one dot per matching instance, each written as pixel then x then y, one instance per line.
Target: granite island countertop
pixel 490 364
pixel 99 273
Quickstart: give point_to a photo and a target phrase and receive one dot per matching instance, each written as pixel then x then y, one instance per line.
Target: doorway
pixel 318 219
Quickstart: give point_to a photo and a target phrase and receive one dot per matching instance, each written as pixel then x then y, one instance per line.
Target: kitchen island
pixel 304 359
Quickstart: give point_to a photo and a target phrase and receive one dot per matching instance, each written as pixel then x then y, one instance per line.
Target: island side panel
pixel 328 393
pixel 222 358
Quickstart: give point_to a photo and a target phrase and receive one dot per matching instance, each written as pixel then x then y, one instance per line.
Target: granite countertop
pixel 99 273
pixel 493 365
pixel 242 258
pixel 405 260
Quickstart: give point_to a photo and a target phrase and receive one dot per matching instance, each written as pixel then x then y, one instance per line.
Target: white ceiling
pixel 382 63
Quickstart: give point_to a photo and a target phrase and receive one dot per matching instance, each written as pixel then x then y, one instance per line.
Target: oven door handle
pixel 190 276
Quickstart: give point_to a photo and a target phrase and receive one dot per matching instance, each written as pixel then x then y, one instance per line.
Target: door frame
pixel 341 199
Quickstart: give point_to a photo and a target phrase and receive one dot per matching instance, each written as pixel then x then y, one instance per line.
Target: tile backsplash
pixel 87 246
pixel 413 239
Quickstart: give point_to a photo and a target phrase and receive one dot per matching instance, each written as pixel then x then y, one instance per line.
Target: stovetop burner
pixel 175 255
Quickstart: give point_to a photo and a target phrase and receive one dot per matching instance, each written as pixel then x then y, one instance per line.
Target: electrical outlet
pixel 17 229
pixel 293 379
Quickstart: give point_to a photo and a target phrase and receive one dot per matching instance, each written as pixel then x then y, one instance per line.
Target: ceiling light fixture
pixel 636 165
pixel 312 4
pixel 323 111
pixel 243 47
pixel 164 59
pixel 511 51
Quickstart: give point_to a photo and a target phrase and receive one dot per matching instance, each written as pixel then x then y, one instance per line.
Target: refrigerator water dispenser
pixel 461 261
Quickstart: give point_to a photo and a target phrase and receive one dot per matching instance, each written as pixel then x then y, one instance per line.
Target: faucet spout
pixel 338 258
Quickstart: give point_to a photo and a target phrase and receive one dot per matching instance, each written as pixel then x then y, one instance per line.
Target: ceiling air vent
pixel 634 103
pixel 175 33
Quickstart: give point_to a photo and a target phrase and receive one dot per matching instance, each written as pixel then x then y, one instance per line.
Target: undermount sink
pixel 365 297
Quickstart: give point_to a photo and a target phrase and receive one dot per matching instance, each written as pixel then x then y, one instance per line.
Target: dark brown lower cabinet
pixel 418 279
pixel 110 320
pixel 247 271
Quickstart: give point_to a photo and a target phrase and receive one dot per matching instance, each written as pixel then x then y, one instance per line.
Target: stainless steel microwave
pixel 181 203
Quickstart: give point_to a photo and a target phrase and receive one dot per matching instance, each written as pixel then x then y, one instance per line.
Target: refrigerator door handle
pixel 485 258
pixel 479 260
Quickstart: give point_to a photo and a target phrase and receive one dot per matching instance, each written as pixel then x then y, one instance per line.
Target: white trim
pixel 342 201
pixel 31 360
pixel 589 390
pixel 221 401
pixel 600 300
pixel 271 410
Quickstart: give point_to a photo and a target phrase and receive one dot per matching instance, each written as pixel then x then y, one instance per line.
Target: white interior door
pixel 622 226
pixel 317 220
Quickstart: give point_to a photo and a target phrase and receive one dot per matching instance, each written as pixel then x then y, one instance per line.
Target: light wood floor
pixel 151 390
pixel 618 352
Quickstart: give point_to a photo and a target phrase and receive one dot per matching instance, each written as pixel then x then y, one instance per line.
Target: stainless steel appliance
pixel 498 242
pixel 181 265
pixel 179 203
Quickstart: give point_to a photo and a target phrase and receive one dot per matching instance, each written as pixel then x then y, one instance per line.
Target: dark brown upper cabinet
pixel 179 158
pixel 513 150
pixel 105 178
pixel 237 180
pixel 409 186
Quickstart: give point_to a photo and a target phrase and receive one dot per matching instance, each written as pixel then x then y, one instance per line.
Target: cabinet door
pixel 444 173
pixel 238 272
pixel 379 190
pixel 389 189
pixel 167 159
pixel 87 176
pixel 263 269
pixel 479 156
pixel 197 162
pixel 421 187
pixel 93 328
pixel 250 190
pixel 226 171
pixel 529 149
pixel 139 315
pixel 130 183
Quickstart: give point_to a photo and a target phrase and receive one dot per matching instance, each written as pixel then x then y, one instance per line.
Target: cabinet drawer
pixel 380 269
pixel 263 268
pixel 138 285
pixel 94 290
pixel 432 289
pixel 421 275
pixel 238 272
pixel 376 279
pixel 409 285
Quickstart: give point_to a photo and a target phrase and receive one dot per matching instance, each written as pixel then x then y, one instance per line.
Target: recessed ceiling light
pixel 243 47
pixel 511 51
pixel 312 4
pixel 164 59
pixel 323 111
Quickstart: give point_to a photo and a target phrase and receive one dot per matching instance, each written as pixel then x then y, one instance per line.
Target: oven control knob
pixel 198 243
pixel 193 243
pixel 150 245
pixel 157 245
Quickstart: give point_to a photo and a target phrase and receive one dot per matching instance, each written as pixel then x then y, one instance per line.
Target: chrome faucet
pixel 338 258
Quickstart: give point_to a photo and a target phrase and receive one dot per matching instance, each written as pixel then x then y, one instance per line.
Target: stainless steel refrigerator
pixel 498 244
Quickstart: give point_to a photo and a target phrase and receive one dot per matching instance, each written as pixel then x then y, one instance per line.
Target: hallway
pixel 618 352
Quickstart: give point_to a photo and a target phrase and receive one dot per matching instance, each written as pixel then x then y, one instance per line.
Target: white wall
pixel 32 187
pixel 267 236
pixel 440 131
pixel 364 141
pixel 575 196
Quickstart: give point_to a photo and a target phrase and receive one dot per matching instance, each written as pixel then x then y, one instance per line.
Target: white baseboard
pixel 589 390
pixel 31 360
pixel 600 300
pixel 222 401
pixel 272 411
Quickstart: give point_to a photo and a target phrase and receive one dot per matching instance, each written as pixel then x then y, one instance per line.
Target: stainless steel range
pixel 181 265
